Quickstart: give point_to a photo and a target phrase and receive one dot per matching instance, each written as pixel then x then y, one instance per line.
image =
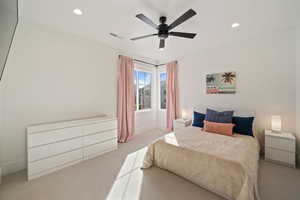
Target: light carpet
pixel 116 176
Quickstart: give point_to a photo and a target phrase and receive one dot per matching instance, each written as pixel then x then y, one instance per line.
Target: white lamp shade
pixel 276 123
pixel 183 114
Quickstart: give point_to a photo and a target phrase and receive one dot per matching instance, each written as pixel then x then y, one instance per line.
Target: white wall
pixel 53 76
pixel 265 68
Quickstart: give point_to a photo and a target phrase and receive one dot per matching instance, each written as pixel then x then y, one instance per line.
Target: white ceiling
pixel 212 23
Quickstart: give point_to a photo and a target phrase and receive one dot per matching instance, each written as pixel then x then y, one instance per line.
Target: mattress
pixel 227 166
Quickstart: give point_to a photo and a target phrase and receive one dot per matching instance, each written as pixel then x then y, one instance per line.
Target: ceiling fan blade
pixel 162 44
pixel 184 35
pixel 147 20
pixel 187 15
pixel 144 36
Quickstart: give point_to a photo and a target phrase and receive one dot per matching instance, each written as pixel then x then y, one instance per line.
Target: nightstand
pixel 181 123
pixel 280 147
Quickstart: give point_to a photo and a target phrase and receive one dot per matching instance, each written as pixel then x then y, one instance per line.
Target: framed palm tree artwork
pixel 221 83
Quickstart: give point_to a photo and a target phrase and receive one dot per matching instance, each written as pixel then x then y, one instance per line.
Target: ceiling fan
pixel 164 30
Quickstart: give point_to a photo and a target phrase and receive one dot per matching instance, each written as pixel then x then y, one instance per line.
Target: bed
pixel 227 166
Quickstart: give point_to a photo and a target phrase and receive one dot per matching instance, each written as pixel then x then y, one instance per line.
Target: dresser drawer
pixel 55 161
pixel 48 137
pixel 45 151
pixel 99 137
pixel 98 149
pixel 54 146
pixel 104 126
pixel 279 155
pixel 280 143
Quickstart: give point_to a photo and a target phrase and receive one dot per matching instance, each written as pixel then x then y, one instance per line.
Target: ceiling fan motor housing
pixel 163 31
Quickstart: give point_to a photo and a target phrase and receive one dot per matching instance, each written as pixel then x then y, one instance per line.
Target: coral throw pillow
pixel 220 128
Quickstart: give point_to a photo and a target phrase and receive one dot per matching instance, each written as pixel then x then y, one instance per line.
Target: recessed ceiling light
pixel 77 11
pixel 235 25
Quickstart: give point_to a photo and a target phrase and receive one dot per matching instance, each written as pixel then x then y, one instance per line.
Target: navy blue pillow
pixel 198 119
pixel 243 125
pixel 220 117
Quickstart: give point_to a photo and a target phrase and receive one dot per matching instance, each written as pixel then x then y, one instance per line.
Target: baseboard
pixel 12 167
pixel 34 176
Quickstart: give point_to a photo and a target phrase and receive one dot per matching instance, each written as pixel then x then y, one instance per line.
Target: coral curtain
pixel 173 110
pixel 125 101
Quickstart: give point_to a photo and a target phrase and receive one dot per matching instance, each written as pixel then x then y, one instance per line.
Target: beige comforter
pixel 224 165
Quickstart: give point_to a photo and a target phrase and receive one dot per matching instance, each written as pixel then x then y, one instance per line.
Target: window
pixel 163 90
pixel 143 89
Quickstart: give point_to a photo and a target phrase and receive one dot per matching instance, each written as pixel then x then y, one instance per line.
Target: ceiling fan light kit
pixel 164 29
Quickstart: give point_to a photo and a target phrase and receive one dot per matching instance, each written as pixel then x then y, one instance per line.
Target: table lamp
pixel 276 123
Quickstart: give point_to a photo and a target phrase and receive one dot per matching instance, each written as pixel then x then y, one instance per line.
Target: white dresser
pixel 54 146
pixel 280 147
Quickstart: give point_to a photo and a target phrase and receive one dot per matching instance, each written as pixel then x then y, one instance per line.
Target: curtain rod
pixel 137 60
pixel 141 61
pixel 145 62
